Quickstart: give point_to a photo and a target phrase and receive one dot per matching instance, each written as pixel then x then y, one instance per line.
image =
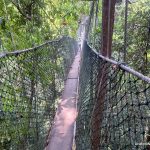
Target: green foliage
pixel 29 22
pixel 138 34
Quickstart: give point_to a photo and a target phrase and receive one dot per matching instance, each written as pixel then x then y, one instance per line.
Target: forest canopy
pixel 25 23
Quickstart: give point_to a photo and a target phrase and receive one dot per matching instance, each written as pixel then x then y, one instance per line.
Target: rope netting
pixel 113 107
pixel 31 83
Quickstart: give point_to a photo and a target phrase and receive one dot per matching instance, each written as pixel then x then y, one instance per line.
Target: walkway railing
pixel 113 107
pixel 31 81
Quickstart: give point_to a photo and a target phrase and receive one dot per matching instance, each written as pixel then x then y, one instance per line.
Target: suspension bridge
pixel 65 95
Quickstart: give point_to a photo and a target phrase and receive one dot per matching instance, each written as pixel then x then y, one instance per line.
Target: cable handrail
pixel 17 52
pixel 122 65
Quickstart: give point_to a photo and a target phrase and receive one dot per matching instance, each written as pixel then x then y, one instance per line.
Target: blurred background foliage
pixel 25 23
pixel 136 44
pixel 138 34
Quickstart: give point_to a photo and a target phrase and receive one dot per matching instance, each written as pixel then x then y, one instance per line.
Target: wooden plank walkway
pixel 62 133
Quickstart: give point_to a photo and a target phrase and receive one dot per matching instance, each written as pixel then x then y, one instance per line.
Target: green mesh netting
pixel 31 82
pixel 114 106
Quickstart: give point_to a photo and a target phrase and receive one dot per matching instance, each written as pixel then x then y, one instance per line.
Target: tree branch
pixel 20 11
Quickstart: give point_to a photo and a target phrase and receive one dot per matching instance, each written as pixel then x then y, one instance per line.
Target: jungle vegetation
pixel 27 23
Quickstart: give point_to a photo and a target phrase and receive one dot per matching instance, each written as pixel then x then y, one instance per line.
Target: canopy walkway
pixel 64 95
pixel 31 91
pixel 111 115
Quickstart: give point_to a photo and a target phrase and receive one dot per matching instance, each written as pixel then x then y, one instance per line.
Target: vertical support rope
pixel 125 30
pixel 89 21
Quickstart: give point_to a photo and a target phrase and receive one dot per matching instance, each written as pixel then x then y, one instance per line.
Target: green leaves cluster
pixel 24 23
pixel 138 34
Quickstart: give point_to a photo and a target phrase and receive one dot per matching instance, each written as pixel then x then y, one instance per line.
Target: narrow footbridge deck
pixel 62 133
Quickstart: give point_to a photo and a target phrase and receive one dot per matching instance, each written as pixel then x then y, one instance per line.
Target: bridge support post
pixel 108 11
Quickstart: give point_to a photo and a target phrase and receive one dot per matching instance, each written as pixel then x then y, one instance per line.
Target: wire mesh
pixel 113 107
pixel 31 82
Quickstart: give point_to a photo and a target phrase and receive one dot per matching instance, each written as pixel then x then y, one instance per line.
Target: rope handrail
pixel 123 66
pixel 17 52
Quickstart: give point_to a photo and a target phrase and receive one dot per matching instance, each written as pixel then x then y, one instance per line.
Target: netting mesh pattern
pixel 31 83
pixel 113 107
